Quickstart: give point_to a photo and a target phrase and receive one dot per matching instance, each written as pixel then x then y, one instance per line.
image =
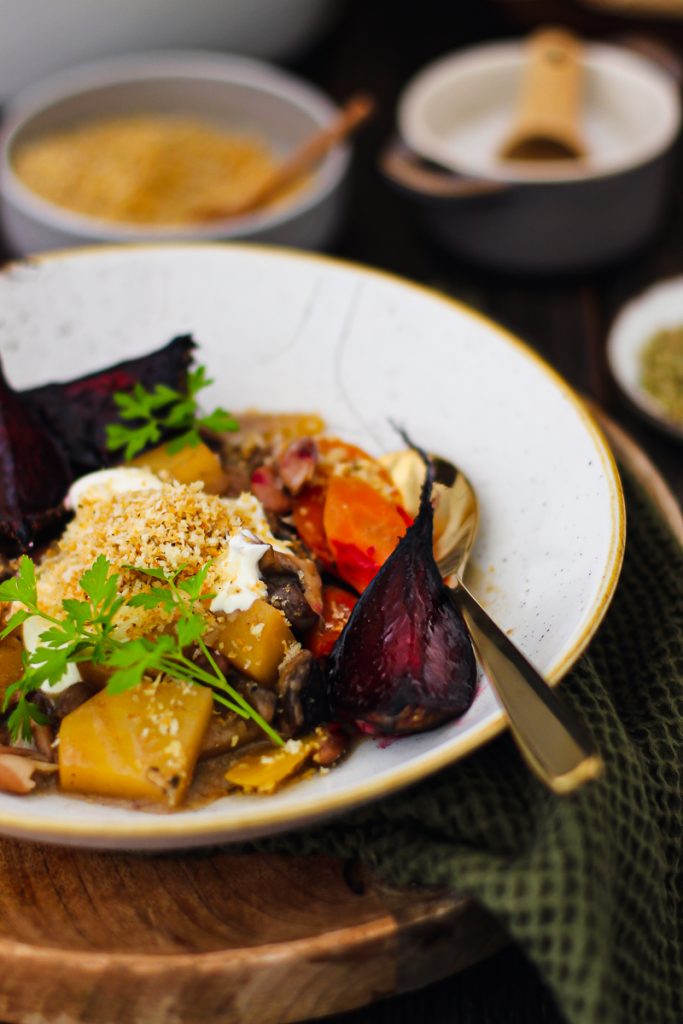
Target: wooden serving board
pixel 209 937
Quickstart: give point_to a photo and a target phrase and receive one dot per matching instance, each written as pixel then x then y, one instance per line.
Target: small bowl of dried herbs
pixel 645 354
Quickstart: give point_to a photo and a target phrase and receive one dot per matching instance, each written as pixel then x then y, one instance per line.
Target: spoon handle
pixel 548 116
pixel 552 739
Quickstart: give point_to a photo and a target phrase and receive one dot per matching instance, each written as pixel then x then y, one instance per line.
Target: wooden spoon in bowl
pixel 357 110
pixel 547 121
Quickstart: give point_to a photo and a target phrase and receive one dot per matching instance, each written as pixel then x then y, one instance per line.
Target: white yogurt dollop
pixel 32 629
pixel 238 566
pixel 104 483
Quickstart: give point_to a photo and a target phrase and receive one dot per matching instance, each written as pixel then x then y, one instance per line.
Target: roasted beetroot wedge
pixel 34 476
pixel 77 412
pixel 404 662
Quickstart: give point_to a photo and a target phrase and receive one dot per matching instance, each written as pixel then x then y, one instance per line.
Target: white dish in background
pixel 658 307
pixel 237 93
pixel 458 111
pixel 38 38
pixel 287 331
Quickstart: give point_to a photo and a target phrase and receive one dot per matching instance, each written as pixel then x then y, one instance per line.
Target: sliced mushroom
pixel 70 699
pixel 227 732
pixel 277 563
pixel 302 695
pixel 17 771
pixel 43 738
pixel 283 528
pixel 237 478
pixel 56 706
pixel 286 594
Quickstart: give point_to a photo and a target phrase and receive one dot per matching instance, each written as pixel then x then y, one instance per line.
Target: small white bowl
pixel 241 94
pixel 659 307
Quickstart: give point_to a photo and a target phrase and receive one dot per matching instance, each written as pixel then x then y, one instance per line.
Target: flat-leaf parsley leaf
pixel 163 411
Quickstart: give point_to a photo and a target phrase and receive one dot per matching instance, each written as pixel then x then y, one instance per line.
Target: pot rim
pixel 417 134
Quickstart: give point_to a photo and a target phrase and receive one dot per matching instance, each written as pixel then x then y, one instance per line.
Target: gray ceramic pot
pixel 524 216
pixel 537 227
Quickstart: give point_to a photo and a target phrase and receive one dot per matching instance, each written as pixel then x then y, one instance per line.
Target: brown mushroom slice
pixel 43 739
pixel 277 563
pixel 286 594
pixel 301 694
pixel 17 771
pixel 227 732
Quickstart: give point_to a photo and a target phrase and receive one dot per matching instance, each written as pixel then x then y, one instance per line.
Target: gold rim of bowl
pixel 263 819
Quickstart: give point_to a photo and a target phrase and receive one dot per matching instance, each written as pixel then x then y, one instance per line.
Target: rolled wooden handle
pixel 358 109
pixel 547 120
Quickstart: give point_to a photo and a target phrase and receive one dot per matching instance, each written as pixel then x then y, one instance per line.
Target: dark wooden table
pixel 379 47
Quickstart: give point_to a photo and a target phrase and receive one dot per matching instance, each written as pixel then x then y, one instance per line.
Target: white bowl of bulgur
pixel 151 147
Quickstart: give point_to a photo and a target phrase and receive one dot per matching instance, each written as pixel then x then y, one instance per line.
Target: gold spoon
pixel 552 739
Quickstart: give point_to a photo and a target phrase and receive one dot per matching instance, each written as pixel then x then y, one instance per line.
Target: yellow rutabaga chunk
pixel 186 466
pixel 255 641
pixel 261 772
pixel 139 745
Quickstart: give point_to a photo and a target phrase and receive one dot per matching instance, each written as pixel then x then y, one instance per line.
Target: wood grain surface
pixel 212 937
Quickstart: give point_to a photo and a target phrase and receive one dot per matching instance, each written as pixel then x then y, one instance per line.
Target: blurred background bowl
pixel 659 308
pixel 37 38
pixel 534 217
pixel 236 93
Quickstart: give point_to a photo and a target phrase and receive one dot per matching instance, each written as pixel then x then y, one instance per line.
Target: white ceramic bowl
pixel 458 111
pixel 284 330
pixel 38 38
pixel 239 93
pixel 543 216
pixel 659 307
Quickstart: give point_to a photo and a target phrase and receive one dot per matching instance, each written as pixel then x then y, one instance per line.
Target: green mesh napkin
pixel 589 885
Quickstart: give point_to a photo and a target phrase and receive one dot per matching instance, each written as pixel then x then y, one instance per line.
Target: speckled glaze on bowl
pixel 284 331
pixel 236 93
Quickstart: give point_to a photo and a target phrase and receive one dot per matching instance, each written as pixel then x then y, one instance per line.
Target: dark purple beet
pixel 404 662
pixel 34 475
pixel 77 412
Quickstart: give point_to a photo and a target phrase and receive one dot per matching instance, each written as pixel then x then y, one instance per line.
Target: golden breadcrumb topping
pixel 176 525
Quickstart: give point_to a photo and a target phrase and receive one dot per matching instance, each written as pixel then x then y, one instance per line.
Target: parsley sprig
pixel 161 412
pixel 87 632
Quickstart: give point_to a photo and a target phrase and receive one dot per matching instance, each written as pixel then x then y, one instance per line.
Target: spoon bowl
pixel 456 513
pixel 552 739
